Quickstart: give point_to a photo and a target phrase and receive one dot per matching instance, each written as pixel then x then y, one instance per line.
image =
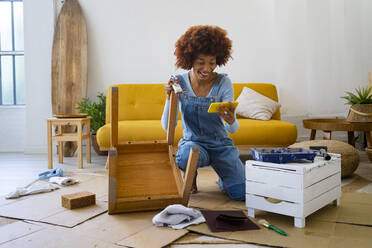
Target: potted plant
pixel 361 105
pixel 361 109
pixel 97 113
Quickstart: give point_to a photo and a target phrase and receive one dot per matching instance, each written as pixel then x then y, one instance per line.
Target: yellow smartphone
pixel 213 108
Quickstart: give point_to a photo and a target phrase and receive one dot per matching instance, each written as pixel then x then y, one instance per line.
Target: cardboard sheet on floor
pixel 196 238
pixel 98 181
pixel 16 230
pixel 358 183
pixel 129 229
pixel 325 228
pixel 6 221
pixel 316 233
pixel 47 208
pixel 209 195
pixel 57 237
pixel 355 208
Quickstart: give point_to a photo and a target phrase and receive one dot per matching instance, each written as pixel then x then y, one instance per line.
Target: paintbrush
pixel 266 224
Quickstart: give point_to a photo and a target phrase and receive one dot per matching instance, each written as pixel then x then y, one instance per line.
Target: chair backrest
pixel 138 101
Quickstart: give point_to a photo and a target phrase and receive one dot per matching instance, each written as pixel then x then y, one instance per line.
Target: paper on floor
pixel 35 188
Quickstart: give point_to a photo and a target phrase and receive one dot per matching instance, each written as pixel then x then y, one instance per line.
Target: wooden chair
pixel 144 175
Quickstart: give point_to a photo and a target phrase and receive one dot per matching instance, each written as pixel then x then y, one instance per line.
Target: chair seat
pixel 141 130
pixel 250 132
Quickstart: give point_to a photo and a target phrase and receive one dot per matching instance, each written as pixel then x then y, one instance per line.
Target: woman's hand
pixel 227 112
pixel 168 86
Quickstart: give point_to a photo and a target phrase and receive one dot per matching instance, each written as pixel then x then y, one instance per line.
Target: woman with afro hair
pixel 200 50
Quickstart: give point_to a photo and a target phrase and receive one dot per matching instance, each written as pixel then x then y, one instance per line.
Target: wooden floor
pixel 17 170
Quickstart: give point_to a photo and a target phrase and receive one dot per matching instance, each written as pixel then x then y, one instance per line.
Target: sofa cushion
pixel 141 107
pixel 140 130
pixel 264 133
pixel 253 105
pixel 250 132
pixel 268 90
pixel 138 102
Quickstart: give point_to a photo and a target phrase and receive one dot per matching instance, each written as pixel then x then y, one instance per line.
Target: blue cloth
pixel 207 131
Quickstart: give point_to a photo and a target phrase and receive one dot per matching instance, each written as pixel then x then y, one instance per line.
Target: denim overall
pixel 206 131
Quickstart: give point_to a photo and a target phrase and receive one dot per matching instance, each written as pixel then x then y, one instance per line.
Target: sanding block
pixel 78 200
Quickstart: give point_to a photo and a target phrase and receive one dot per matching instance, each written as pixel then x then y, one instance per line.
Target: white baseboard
pixel 11 149
pixel 36 150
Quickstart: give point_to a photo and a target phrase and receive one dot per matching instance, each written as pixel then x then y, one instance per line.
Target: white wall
pixel 12 128
pixel 313 50
pixel 38 28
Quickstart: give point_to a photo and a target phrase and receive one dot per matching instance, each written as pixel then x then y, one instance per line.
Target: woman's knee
pixel 182 156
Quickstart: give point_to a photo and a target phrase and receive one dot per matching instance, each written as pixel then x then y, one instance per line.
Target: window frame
pixel 13 53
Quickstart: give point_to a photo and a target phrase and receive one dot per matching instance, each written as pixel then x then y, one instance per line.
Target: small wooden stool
pixel 79 136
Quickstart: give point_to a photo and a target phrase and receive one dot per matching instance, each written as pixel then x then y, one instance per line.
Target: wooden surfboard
pixel 69 64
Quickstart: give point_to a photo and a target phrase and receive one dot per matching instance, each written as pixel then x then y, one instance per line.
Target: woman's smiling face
pixel 204 66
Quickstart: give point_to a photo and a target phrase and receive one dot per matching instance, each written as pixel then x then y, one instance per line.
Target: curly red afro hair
pixel 207 40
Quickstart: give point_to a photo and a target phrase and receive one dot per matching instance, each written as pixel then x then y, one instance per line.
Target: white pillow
pixel 255 106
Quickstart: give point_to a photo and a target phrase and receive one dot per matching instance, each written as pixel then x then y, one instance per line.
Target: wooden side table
pixel 329 125
pixel 61 137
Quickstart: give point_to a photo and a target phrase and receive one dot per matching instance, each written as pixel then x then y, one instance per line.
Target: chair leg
pixel 88 143
pixel 60 152
pixel 80 147
pixel 190 173
pixel 60 146
pixel 50 146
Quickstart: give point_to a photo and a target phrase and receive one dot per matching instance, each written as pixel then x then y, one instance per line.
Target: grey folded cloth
pixel 178 216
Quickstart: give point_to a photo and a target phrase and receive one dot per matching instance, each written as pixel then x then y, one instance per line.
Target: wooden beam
pixel 172 118
pixel 176 171
pixel 114 117
pixel 112 164
pixel 190 173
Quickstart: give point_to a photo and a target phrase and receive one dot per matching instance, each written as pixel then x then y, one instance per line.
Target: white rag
pixel 35 188
pixel 178 216
pixel 64 181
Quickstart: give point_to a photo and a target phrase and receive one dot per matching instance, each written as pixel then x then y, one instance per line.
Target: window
pixel 12 79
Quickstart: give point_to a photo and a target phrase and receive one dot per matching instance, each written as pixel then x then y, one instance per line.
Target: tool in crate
pixel 321 151
pixel 282 155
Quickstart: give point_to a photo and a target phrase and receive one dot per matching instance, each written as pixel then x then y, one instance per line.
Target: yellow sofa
pixel 141 107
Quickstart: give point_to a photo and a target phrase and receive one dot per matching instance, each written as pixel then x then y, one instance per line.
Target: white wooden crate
pixel 302 187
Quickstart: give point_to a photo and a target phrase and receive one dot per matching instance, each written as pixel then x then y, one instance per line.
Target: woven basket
pixel 360 113
pixel 369 153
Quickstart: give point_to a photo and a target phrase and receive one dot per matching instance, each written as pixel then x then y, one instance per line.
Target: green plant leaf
pixel 96 111
pixel 362 96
